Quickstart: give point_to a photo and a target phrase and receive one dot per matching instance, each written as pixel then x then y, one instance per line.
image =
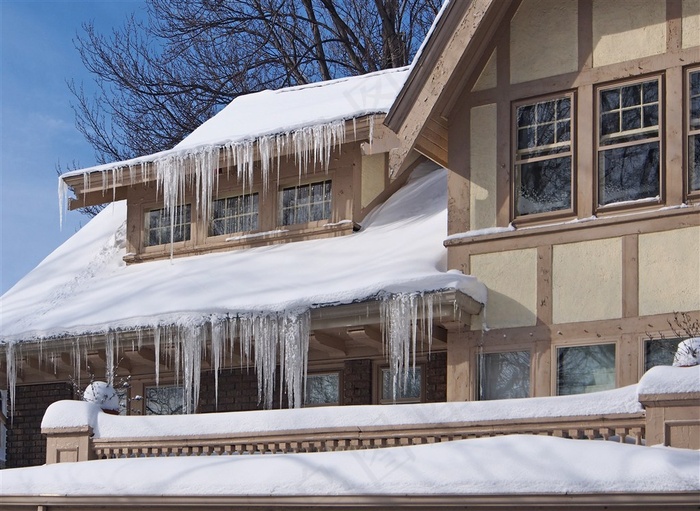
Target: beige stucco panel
pixel 488 78
pixel 373 171
pixel 669 271
pixel 587 281
pixel 691 23
pixel 482 165
pixel 511 279
pixel 624 31
pixel 537 21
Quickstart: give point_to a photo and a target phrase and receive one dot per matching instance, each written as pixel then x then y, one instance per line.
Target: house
pixel 570 135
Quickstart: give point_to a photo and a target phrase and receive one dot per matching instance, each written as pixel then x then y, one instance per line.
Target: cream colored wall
pixel 691 23
pixel 587 281
pixel 511 279
pixel 482 164
pixel 621 33
pixel 488 78
pixel 530 56
pixel 373 171
pixel 669 271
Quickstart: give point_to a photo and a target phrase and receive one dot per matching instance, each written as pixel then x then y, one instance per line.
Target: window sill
pixel 575 225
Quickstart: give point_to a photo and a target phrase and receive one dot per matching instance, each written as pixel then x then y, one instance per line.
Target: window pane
pixel 659 352
pixel 631 119
pixel 411 391
pixel 694 163
pixel 628 173
pixel 165 400
pixel 322 389
pixel 306 203
pixel 631 95
pixel 544 186
pixel 609 100
pixel 504 375
pixel 234 214
pixel 158 227
pixel 582 369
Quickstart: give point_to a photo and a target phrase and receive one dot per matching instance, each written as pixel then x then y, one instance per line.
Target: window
pixel 234 214
pixel 412 391
pixel 165 400
pixel 629 143
pixel 543 157
pixel 582 369
pixel 504 375
pixel 694 131
pixel 306 203
pixel 659 352
pixel 158 226
pixel 322 389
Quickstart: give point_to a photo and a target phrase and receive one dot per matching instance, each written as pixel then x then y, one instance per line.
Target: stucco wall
pixel 482 164
pixel 669 271
pixel 511 279
pixel 587 281
pixel 621 33
pixel 488 78
pixel 530 57
pixel 691 23
pixel 373 169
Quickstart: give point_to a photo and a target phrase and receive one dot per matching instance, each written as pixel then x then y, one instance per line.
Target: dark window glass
pixel 628 173
pixel 234 214
pixel 583 369
pixel 159 229
pixel 411 391
pixel 659 352
pixel 504 375
pixel 306 203
pixel 322 389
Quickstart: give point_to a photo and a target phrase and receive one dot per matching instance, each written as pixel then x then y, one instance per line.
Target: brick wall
pixel 25 444
pixel 238 391
pixel 436 378
pixel 357 382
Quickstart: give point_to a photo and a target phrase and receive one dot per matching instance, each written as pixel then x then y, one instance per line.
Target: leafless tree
pixel 159 78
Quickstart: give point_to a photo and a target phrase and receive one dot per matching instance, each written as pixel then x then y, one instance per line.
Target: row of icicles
pixel 268 340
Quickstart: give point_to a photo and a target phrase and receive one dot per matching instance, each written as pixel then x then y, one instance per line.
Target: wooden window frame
pixel 517 161
pixel 688 132
pixel 307 182
pixel 147 248
pixel 598 148
pixel 337 372
pixel 225 235
pixel 582 344
pixel 379 375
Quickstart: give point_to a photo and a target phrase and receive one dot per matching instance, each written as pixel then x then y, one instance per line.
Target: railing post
pixel 672 419
pixel 68 444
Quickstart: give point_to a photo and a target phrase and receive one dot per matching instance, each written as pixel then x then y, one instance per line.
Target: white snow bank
pixel 67 414
pixel 688 353
pixel 670 380
pixel 502 465
pixel 85 287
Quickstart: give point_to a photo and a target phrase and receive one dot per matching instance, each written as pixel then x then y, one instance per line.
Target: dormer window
pixel 234 214
pixel 159 230
pixel 306 203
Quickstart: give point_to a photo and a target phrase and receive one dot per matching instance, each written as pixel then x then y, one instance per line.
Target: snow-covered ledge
pixel 671 396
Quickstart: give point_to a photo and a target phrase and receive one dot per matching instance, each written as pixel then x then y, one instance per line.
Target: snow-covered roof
pixel 84 286
pixel 272 112
pixel 507 465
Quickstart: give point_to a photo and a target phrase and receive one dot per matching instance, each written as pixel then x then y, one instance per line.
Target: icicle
pixel 295 331
pixel 109 358
pixel 156 350
pixel 218 340
pixel 11 356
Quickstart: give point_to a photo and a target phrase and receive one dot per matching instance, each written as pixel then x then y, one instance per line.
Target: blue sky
pixel 37 129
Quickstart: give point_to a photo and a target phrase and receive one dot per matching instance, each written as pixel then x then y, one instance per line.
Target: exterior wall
pixel 591 274
pixel 25 444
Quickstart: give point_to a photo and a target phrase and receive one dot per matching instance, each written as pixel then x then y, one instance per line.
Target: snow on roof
pixel 72 414
pixel 271 112
pixel 514 464
pixel 84 286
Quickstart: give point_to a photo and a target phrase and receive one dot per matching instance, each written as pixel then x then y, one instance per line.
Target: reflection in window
pixel 158 226
pixel 694 131
pixel 412 390
pixel 234 214
pixel 306 203
pixel 582 369
pixel 166 400
pixel 322 389
pixel 543 156
pixel 504 375
pixel 659 352
pixel 629 143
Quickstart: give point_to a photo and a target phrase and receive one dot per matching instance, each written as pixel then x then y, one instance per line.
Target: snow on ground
pixel 67 414
pixel 670 380
pixel 516 464
pixel 85 287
